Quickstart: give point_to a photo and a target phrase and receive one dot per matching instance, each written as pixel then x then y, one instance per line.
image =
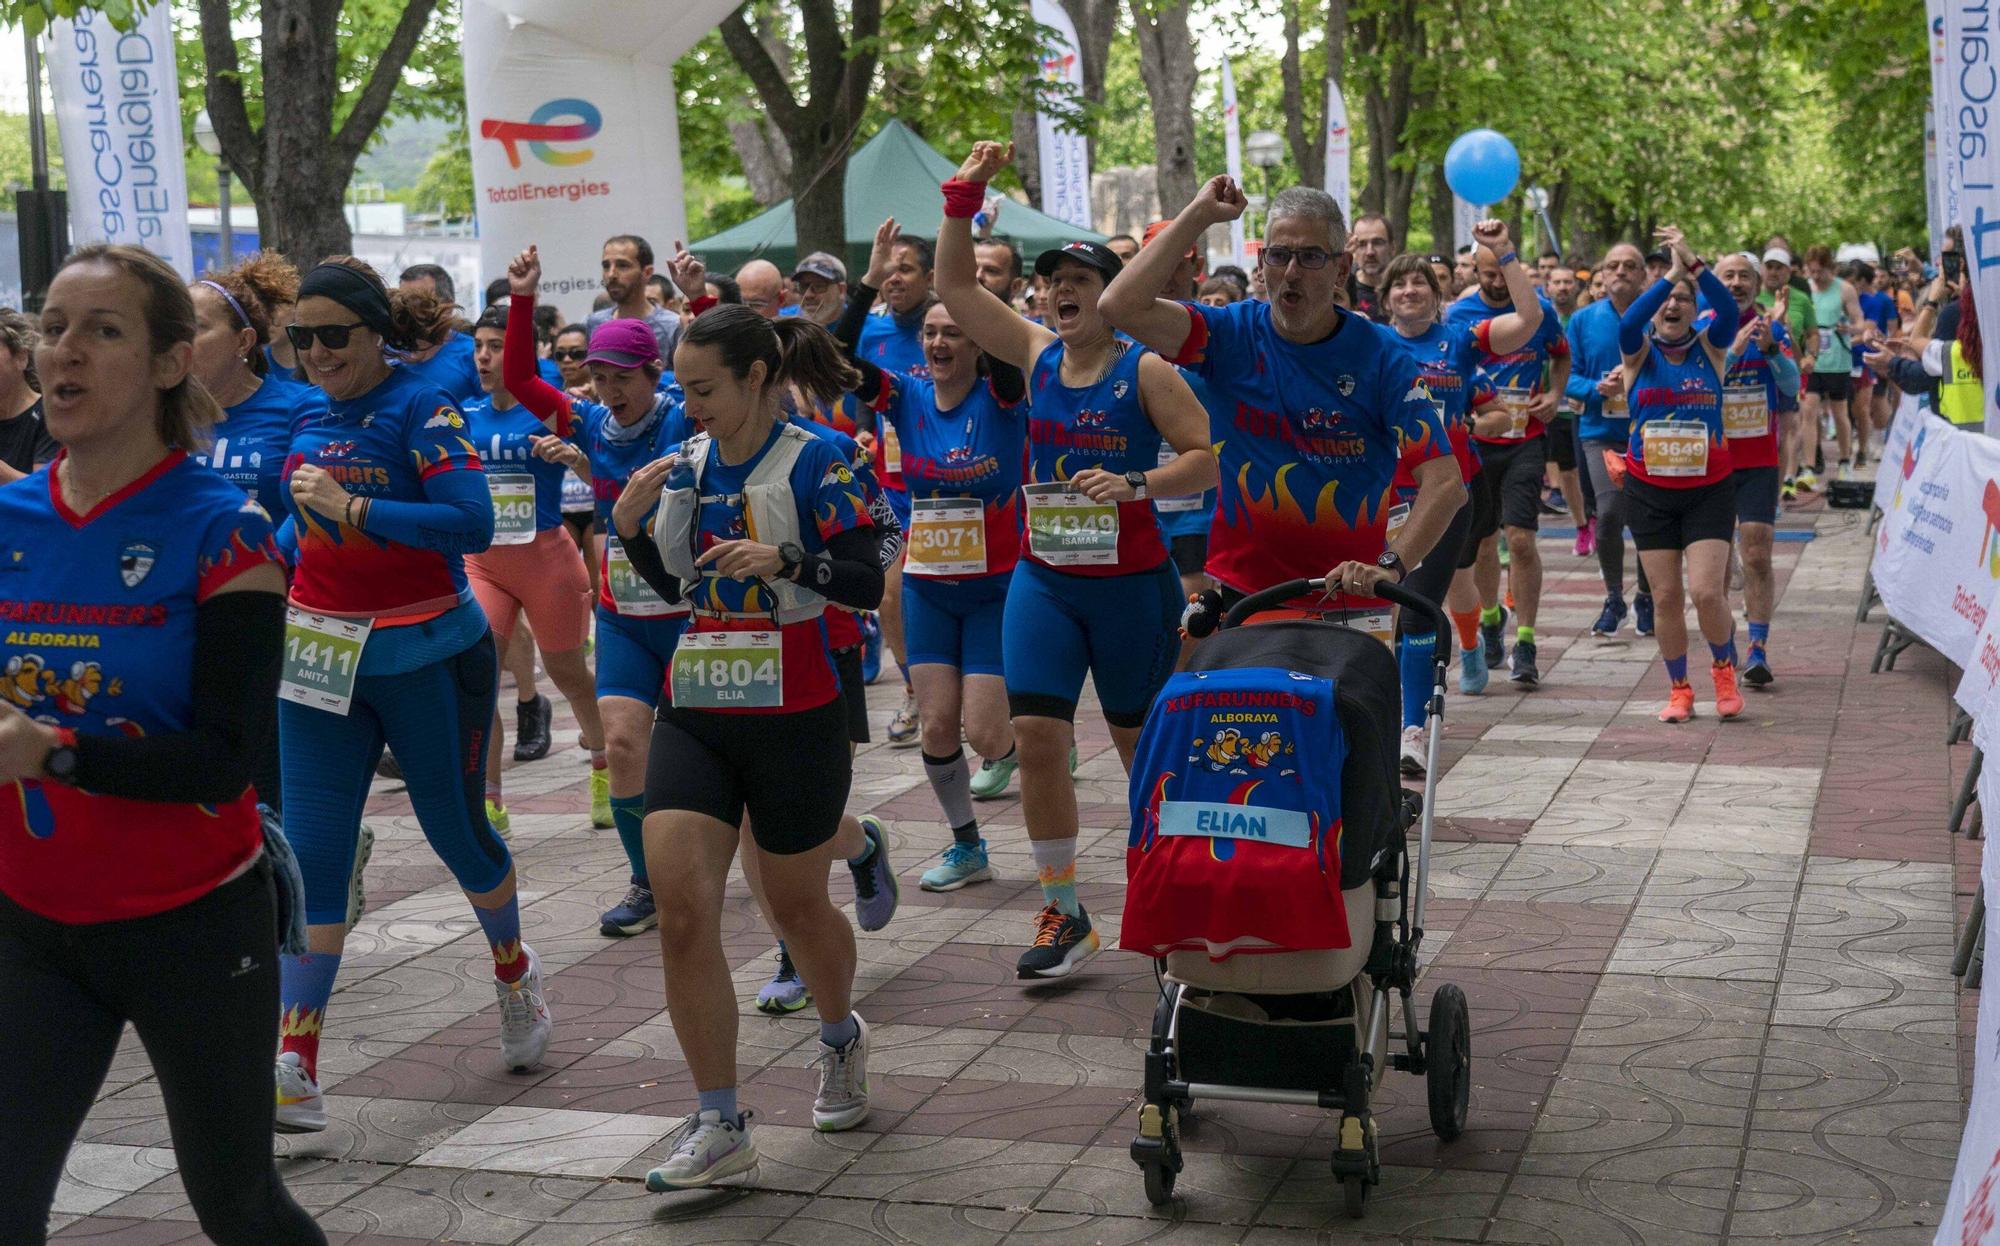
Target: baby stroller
pixel 1269 877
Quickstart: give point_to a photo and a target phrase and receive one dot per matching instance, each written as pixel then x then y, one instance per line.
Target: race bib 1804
pixel 729 670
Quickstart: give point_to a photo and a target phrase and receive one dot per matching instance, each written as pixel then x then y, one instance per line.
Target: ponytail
pixel 793 350
pixel 813 360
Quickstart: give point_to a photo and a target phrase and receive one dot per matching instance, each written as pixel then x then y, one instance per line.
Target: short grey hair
pixel 1314 205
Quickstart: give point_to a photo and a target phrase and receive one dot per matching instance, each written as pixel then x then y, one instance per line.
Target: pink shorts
pixel 545 578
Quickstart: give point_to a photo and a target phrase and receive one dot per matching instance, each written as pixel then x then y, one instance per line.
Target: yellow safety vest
pixel 1961 395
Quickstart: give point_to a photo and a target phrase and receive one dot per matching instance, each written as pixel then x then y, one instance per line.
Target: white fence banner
pixel 1972 1210
pixel 1232 150
pixel 1910 416
pixel 1065 154
pixel 1937 551
pixel 118 109
pixel 1339 153
pixel 570 114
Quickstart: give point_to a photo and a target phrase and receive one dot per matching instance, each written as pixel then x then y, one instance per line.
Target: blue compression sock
pixel 305 983
pixel 1725 652
pixel 1414 655
pixel 503 933
pixel 1759 633
pixel 1677 669
pixel 839 1033
pixel 723 1101
pixel 628 814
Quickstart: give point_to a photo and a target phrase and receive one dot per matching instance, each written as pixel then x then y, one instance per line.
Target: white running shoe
pixel 706 1149
pixel 525 1023
pixel 842 1102
pixel 1415 755
pixel 301 1108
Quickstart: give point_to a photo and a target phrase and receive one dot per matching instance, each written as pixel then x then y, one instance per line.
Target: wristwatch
pixel 60 764
pixel 1393 561
pixel 1138 482
pixel 791 556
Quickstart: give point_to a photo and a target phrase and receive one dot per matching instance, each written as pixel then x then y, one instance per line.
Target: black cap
pixel 1094 254
pixel 1659 255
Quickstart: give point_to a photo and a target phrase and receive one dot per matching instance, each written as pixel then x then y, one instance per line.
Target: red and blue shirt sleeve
pixel 234 543
pixel 1412 416
pixel 437 437
pixel 836 497
pixel 1205 325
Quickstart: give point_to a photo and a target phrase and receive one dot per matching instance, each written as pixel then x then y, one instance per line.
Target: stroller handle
pixel 1395 594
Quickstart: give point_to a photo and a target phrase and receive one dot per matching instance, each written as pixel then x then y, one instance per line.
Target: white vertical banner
pixel 1065 155
pixel 1970 168
pixel 1232 147
pixel 1339 148
pixel 1933 193
pixel 1972 1210
pixel 1464 216
pixel 573 137
pixel 118 109
pixel 1944 125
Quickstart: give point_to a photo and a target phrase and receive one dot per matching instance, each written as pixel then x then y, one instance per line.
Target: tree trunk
pixel 767 162
pixel 1096 21
pixel 1028 155
pixel 1443 213
pixel 1306 139
pixel 1394 42
pixel 1166 62
pixel 820 133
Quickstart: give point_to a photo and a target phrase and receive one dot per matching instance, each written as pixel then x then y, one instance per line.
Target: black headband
pixel 353 290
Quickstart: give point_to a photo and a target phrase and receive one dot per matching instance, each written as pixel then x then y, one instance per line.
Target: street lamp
pixel 209 141
pixel 1266 150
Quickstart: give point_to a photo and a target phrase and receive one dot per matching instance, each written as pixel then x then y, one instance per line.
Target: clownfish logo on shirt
pixel 1233 751
pixel 29 682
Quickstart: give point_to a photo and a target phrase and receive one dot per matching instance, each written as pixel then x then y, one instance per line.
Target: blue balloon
pixel 1482 167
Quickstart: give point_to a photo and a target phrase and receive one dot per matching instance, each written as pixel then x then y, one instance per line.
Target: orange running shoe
pixel 1680 704
pixel 1728 701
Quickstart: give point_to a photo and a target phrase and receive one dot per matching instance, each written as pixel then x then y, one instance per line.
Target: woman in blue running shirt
pixel 963 434
pixel 1448 358
pixel 385 644
pixel 1095 592
pixel 631 422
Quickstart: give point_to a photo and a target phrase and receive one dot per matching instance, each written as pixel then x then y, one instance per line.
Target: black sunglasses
pixel 1308 257
pixel 573 354
pixel 332 336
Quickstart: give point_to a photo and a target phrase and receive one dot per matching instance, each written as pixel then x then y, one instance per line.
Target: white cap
pixel 1778 255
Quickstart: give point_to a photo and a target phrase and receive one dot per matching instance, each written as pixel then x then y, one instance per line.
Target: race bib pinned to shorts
pixel 1067 529
pixel 629 590
pixel 1514 400
pixel 729 670
pixel 1183 505
pixel 1744 412
pixel 513 507
pixel 1675 448
pixel 321 658
pixel 947 537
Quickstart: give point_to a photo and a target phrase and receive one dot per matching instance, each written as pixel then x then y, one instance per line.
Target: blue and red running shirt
pixel 1307 440
pixel 1687 391
pixel 1236 817
pixel 251 440
pixel 1754 368
pixel 894 344
pixel 1449 361
pixel 1519 369
pixel 843 626
pixel 384 444
pixel 977 450
pixel 830 502
pixel 97 634
pixel 1103 426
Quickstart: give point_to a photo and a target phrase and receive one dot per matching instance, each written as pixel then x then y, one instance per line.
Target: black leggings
pixel 1431 578
pixel 1612 511
pixel 200 985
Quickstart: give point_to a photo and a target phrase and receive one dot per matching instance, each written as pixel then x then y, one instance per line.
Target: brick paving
pixel 1708 965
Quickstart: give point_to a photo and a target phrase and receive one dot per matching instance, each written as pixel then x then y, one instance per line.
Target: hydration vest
pixel 770 514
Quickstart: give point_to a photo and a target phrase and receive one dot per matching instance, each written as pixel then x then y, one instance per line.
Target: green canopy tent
pixel 895 174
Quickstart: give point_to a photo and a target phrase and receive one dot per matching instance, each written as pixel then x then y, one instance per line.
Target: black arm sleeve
pixel 847 329
pixel 853 570
pixel 238 641
pixel 1008 382
pixel 645 556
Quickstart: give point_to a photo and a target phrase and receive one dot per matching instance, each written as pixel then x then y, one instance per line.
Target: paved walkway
pixel 1708 968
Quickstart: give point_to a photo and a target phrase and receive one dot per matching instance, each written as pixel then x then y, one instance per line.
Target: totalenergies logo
pixel 1057 68
pixel 558 121
pixel 1989 536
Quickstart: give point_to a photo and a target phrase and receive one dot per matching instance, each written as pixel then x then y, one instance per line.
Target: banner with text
pixel 1910 416
pixel 1065 154
pixel 1972 1210
pixel 1942 131
pixel 1339 152
pixel 118 110
pixel 570 115
pixel 1937 550
pixel 1232 152
pixel 1971 166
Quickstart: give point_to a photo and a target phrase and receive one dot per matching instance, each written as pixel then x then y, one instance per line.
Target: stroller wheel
pixel 1355 1187
pixel 1448 1060
pixel 1159 1184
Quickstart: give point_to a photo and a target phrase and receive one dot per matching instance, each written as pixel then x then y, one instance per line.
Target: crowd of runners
pixel 265 535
